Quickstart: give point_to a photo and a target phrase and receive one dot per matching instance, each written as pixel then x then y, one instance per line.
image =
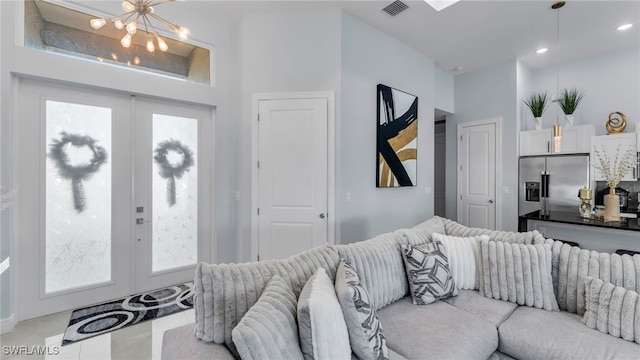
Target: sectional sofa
pixel 574 304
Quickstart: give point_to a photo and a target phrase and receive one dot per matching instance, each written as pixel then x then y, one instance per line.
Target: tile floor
pixel 141 341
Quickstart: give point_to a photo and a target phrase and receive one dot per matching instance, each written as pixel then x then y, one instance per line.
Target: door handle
pixel 321 215
pixel 490 201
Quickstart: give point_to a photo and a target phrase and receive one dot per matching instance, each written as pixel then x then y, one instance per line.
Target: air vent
pixel 395 8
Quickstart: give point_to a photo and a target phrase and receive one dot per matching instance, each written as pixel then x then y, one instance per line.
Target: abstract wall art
pixel 397 138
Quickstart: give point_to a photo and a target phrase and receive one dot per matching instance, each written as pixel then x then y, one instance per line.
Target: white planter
pixel 537 123
pixel 569 118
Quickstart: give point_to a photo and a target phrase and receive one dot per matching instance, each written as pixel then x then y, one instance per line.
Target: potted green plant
pixel 537 103
pixel 569 100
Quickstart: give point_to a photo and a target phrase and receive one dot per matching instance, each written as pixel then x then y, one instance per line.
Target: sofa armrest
pixel 181 343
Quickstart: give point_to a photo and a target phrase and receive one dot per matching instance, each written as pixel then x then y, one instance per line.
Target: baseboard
pixel 7 324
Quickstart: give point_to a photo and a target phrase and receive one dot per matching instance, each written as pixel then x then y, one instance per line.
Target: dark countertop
pixel 574 218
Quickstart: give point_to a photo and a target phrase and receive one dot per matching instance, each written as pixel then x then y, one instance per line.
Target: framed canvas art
pixel 397 138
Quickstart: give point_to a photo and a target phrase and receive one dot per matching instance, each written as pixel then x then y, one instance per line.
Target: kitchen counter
pixel 573 218
pixel 590 234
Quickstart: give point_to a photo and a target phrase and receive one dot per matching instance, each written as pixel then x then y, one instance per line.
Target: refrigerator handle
pixel 545 184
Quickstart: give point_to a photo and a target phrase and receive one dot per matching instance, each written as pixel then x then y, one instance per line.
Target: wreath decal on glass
pixel 169 171
pixel 77 174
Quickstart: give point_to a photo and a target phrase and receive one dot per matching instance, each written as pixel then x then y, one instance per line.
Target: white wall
pixel 443 91
pixel 611 82
pixel 297 51
pixel 370 57
pixel 482 95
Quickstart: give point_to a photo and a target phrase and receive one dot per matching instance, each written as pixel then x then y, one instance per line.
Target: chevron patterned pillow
pixel 428 272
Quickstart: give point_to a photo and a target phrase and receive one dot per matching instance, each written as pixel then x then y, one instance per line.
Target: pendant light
pixel 557 129
pixel 142 11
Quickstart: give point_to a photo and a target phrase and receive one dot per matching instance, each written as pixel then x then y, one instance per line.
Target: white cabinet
pixel 535 142
pixel 575 139
pixel 609 144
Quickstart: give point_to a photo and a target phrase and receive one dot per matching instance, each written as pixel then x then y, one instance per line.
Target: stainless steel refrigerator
pixel 552 183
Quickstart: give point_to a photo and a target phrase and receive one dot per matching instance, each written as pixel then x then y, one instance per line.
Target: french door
pixel 114 195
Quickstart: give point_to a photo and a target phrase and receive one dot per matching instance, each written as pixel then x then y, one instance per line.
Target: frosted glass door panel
pixel 78 195
pixel 175 192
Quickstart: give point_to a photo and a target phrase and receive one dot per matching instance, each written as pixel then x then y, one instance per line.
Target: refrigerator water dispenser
pixel 532 191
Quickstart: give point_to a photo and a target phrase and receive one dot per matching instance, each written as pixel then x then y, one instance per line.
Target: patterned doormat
pixel 113 315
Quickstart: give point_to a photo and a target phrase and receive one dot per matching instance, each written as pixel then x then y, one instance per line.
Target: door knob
pixel 490 201
pixel 321 215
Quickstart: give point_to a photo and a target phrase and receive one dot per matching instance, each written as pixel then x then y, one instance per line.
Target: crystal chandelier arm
pixel 154 3
pixel 181 31
pixel 162 20
pixel 150 47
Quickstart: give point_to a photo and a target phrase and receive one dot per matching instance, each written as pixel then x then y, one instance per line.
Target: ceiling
pixel 467 36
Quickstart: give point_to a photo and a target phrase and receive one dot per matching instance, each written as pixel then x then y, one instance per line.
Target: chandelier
pixel 137 11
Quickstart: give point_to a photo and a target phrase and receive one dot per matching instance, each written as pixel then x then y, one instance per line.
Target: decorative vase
pixel 569 118
pixel 611 207
pixel 537 123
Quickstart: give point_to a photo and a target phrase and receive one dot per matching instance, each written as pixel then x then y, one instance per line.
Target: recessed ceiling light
pixel 541 50
pixel 458 68
pixel 624 27
pixel 440 4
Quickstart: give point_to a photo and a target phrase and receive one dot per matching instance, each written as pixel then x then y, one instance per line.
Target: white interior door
pixel 477 175
pixel 292 176
pixel 80 170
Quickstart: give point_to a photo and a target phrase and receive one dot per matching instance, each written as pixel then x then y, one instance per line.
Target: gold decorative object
pixel 585 206
pixel 613 172
pixel 616 124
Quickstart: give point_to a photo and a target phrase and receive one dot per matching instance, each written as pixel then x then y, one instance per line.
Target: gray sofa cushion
pixel 225 292
pixel 570 265
pixel 491 310
pixel 437 331
pixel 180 343
pixel 531 333
pixel 612 309
pixel 269 329
pixel 433 225
pixel 518 273
pixel 365 333
pixel 380 267
pixel 428 272
pixel 530 237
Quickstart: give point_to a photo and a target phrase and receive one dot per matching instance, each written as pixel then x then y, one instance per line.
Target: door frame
pixel 128 267
pixel 498 174
pixel 255 101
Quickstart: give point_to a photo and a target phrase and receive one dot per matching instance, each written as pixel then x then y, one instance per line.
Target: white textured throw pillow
pixel 612 309
pixel 365 332
pixel 323 331
pixel 518 273
pixel 428 272
pixel 269 329
pixel 462 252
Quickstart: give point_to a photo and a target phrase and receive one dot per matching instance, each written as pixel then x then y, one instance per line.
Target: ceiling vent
pixel 395 8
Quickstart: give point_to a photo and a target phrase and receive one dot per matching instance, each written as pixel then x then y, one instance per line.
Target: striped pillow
pixel 518 273
pixel 269 329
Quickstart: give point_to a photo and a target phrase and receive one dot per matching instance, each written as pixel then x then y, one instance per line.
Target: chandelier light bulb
pixel 183 32
pixel 118 24
pixel 132 27
pixel 162 45
pixel 97 23
pixel 150 47
pixel 126 41
pixel 128 7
